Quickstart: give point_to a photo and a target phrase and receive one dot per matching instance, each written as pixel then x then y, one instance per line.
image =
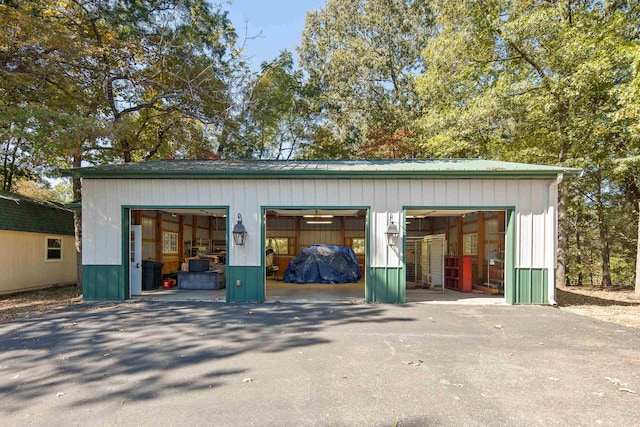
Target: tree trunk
pixel 605 250
pixel 604 237
pixel 5 168
pixel 579 255
pixel 638 257
pixel 9 165
pixel 126 150
pixel 563 196
pixel 77 218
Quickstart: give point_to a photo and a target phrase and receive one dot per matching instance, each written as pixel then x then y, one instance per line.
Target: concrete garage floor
pixel 314 292
pixel 186 363
pixel 436 296
pixel 175 294
pixel 278 290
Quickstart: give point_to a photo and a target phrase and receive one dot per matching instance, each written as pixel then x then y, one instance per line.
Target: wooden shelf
pixel 495 270
pixel 495 264
pixel 457 273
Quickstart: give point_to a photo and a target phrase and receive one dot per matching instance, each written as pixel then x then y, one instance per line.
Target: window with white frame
pixel 169 242
pixel 53 248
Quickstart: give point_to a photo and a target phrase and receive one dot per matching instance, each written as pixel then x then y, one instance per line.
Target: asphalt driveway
pixel 154 363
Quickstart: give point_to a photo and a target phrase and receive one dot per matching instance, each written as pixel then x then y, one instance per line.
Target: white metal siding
pixel 102 201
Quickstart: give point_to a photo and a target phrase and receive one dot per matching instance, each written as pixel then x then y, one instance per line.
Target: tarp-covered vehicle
pixel 324 264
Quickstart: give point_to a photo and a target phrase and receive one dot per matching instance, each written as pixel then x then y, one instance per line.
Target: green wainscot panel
pixel 252 283
pixel 103 282
pixel 531 286
pixel 386 285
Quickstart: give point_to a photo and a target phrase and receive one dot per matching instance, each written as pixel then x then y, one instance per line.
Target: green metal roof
pixel 22 213
pixel 278 169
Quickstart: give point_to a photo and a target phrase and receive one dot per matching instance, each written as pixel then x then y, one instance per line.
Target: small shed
pixel 458 224
pixel 37 244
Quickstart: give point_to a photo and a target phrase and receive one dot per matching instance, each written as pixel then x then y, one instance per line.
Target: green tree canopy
pixel 535 82
pixel 361 57
pixel 276 118
pixel 132 77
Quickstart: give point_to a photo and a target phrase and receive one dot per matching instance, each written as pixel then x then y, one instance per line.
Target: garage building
pixel 461 224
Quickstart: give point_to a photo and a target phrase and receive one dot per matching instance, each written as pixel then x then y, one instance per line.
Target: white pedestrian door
pixel 433 252
pixel 135 260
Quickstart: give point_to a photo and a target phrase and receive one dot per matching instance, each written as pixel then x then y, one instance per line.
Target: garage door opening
pixel 455 255
pixel 178 254
pixel 315 254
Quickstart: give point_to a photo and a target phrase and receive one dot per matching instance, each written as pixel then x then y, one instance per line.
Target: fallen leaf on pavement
pixel 447 382
pixel 616 381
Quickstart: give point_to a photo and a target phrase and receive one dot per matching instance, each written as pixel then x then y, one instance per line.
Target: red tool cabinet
pixel 457 273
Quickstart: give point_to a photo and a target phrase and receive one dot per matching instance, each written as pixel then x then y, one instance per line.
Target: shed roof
pixel 279 169
pixel 22 213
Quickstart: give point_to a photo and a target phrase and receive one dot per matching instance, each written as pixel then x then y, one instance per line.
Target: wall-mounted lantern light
pixel 392 232
pixel 239 232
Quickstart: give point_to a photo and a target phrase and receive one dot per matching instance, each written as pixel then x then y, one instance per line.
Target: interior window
pixel 470 244
pixel 169 242
pixel 358 245
pixel 280 245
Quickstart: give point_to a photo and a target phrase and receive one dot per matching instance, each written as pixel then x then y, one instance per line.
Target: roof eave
pixel 76 205
pixel 265 174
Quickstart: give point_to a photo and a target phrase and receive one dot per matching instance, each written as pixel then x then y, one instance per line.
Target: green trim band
pixel 103 282
pixel 531 286
pixel 251 280
pixel 386 285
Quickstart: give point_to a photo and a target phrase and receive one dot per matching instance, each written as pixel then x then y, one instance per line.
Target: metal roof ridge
pixel 374 168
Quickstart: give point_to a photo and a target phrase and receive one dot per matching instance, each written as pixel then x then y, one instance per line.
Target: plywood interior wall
pixel 488 225
pixel 211 232
pixel 300 234
pixel 193 230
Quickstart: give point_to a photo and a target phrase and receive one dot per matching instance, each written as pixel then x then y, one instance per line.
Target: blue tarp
pixel 324 264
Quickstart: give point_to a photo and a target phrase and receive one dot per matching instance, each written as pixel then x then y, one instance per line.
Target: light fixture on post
pixel 392 232
pixel 239 232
